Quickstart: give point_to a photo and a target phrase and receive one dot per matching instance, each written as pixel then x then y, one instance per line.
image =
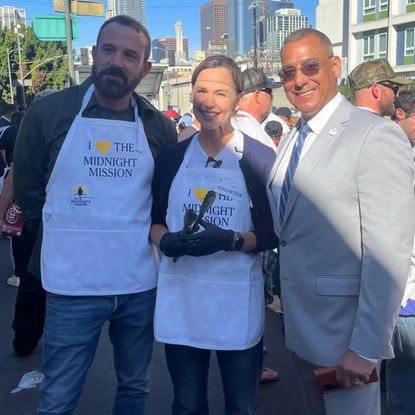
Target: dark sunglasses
pixel 393 87
pixel 266 90
pixel 310 68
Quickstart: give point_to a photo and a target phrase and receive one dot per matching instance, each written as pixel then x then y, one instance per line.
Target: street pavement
pixel 278 398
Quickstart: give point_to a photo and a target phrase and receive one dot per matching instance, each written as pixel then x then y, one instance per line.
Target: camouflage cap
pixel 375 71
pixel 409 87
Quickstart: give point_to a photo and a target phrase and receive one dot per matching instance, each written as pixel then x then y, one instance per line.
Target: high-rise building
pixel 240 35
pixel 213 24
pixel 132 8
pixel 240 23
pixel 265 9
pixel 275 5
pixel 280 25
pixel 180 56
pixel 370 29
pixel 11 16
pixel 165 48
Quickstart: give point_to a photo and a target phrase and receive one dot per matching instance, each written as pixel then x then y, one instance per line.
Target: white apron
pixel 215 301
pixel 96 218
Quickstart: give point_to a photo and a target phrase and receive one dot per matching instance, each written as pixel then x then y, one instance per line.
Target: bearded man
pixel 84 162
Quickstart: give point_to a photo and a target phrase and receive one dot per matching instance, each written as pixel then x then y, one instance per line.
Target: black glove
pixel 172 246
pixel 209 241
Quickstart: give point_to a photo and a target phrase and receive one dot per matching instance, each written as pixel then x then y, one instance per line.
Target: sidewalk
pixel 278 398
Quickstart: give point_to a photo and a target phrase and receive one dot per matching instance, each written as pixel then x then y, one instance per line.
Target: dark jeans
pixel 240 372
pixel 400 372
pixel 72 330
pixel 29 312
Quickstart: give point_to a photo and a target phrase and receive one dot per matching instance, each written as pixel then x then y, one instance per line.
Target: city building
pixel 85 57
pixel 332 18
pixel 267 8
pixel 11 16
pixel 368 29
pixel 164 50
pixel 280 25
pixel 241 27
pixel 180 56
pixel 133 8
pixel 240 35
pixel 214 26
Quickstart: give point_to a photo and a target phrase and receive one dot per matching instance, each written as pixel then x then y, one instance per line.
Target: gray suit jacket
pixel 346 240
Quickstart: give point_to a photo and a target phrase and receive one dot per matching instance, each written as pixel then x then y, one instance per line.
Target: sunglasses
pixel 309 68
pixel 266 90
pixel 393 87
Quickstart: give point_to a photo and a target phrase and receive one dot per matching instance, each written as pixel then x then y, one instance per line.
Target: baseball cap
pixel 273 128
pixel 283 111
pixel 255 78
pixel 171 113
pixel 375 71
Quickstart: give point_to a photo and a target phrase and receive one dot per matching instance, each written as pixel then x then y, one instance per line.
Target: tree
pixel 44 63
pixel 346 90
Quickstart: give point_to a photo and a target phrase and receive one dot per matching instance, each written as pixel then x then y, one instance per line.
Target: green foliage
pixel 347 91
pixel 37 64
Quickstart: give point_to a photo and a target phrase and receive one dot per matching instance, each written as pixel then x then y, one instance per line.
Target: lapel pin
pixel 333 131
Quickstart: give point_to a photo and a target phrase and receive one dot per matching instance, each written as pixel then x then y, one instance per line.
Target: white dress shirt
pixel 245 122
pixel 316 124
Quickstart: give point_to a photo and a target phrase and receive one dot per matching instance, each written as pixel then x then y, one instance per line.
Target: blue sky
pixel 161 18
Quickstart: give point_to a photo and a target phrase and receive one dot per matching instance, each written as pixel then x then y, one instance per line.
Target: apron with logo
pixel 214 301
pixel 96 218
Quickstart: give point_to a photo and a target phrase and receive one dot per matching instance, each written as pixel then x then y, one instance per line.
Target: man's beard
pixel 387 109
pixel 111 88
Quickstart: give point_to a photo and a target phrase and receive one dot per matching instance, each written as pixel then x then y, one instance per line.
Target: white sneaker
pixel 13 280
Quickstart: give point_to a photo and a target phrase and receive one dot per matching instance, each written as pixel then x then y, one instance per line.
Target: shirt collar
pixel 241 114
pixel 367 109
pixel 318 122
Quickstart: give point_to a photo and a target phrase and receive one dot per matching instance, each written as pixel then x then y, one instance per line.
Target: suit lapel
pixel 324 141
pixel 281 150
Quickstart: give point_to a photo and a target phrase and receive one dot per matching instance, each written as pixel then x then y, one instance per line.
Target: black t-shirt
pixel 7 141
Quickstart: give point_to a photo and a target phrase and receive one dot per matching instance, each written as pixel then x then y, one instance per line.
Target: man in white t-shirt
pixel 255 105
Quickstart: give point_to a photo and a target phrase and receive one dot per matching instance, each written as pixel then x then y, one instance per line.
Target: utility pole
pixel 68 21
pixel 19 52
pixel 389 36
pixel 10 74
pixel 254 6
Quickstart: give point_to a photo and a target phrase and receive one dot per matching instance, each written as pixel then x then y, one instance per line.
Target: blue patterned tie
pixel 292 167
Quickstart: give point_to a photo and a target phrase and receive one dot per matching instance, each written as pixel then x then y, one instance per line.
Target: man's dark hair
pixel 133 23
pixel 302 33
pixel 220 61
pixel 406 101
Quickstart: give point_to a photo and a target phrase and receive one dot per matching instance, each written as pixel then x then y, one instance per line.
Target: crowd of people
pixel 210 208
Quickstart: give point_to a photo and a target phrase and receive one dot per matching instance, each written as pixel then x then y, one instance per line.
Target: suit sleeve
pixel 386 202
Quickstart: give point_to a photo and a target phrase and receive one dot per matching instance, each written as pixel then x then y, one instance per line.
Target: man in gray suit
pixel 342 204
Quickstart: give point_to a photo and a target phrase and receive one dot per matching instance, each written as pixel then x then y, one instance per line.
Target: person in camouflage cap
pixel 375 86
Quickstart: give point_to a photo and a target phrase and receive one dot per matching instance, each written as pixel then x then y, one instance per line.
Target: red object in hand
pixel 327 382
pixel 12 221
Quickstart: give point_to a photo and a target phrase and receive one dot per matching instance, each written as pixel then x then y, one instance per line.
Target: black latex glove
pixel 209 241
pixel 172 245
